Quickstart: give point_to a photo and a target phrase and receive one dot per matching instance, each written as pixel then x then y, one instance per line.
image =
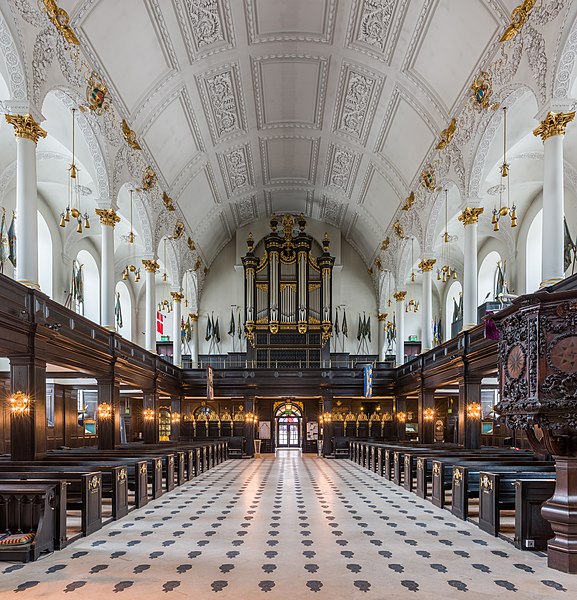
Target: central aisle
pixel 290 527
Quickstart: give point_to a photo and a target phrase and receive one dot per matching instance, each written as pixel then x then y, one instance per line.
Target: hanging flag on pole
pixel 118 312
pixel 239 326
pixel 336 326
pixel 368 328
pixel 159 323
pixel 4 246
pixel 217 332
pixel 345 327
pixel 359 329
pixel 182 330
pixel 232 326
pixel 12 240
pixel 208 334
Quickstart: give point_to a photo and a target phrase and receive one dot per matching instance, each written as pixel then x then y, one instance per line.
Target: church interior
pixel 288 298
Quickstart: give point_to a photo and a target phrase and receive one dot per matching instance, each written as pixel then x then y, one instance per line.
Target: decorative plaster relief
pixel 342 168
pixel 237 169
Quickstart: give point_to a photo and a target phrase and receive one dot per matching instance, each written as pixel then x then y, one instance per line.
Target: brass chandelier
pixel 504 210
pixel 446 272
pixel 73 208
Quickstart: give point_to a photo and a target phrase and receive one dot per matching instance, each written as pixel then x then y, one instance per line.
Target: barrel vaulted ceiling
pixel 245 108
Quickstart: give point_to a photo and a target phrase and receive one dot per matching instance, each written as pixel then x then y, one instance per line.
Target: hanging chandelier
pixel 73 208
pixel 412 304
pixel 504 210
pixel 131 268
pixel 446 272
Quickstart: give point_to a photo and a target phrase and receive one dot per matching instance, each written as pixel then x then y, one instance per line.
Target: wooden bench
pixel 532 531
pixel 341 447
pixel 30 507
pixel 497 493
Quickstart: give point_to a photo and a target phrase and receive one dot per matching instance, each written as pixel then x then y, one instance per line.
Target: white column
pixel 470 219
pixel 400 318
pixel 426 266
pixel 27 133
pixel 150 266
pixel 194 341
pixel 176 317
pixel 108 219
pixel 552 131
pixel 382 317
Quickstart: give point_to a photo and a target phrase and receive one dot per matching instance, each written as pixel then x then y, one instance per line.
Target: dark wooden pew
pixel 32 507
pixel 465 484
pixel 84 493
pixel 532 531
pixel 498 492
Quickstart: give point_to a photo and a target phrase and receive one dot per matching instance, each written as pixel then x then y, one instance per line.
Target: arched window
pixel 90 304
pixel 44 256
pixel 534 253
pixel 453 297
pixel 123 311
pixel 487 272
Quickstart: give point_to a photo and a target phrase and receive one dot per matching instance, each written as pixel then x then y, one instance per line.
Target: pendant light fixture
pixel 165 305
pixel 445 272
pixel 504 210
pixel 73 207
pixel 412 304
pixel 131 268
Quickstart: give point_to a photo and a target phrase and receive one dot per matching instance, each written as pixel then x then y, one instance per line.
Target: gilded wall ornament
pixel 399 229
pixel 399 296
pixel 107 216
pixel 96 95
pixel 168 202
pixel 148 179
pixel 482 90
pixel 385 244
pixel 191 244
pixel 470 216
pixel 426 265
pixel 553 124
pixel 151 266
pixel 447 135
pixel 518 18
pixel 129 136
pixel 378 263
pixel 428 179
pixel 60 19
pixel 409 201
pixel 26 127
pixel 178 230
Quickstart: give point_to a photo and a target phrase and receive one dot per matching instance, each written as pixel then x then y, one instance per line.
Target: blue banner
pixel 368 381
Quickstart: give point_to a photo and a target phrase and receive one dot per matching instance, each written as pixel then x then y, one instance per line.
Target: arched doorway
pixel 288 425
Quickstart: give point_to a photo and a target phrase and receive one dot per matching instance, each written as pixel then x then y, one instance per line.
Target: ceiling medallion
pixel 148 179
pixel 168 202
pixel 399 229
pixel 428 179
pixel 129 136
pixel 518 18
pixel 409 201
pixel 60 19
pixel 482 90
pixel 447 135
pixel 96 92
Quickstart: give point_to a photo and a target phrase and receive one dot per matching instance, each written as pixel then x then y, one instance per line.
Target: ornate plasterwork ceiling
pixel 248 107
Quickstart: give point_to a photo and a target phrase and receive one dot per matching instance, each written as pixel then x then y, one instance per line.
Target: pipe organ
pixel 288 294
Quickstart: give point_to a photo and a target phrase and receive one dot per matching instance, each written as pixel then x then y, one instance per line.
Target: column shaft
pixel 470 277
pixel 150 329
pixel 176 317
pixel 107 277
pixel 400 318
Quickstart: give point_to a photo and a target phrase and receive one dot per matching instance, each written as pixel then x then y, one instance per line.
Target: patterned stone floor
pixel 291 527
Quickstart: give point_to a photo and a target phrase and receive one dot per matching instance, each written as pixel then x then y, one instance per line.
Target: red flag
pixel 159 323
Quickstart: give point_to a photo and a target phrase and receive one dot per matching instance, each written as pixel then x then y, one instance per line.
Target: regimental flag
pixel 182 330
pixel 239 326
pixel 345 327
pixel 118 312
pixel 216 331
pixel 159 322
pixel 208 334
pixel 232 326
pixel 359 329
pixel 368 328
pixel 188 331
pixel 4 246
pixel 12 241
pixel 336 325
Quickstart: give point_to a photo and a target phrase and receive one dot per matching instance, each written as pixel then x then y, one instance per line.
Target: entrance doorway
pixel 288 418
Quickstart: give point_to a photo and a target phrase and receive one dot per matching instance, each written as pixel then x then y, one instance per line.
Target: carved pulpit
pixel 288 297
pixel 538 384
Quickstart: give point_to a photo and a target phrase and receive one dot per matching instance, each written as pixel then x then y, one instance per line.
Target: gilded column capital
pixel 26 127
pixel 150 266
pixel 399 296
pixel 193 317
pixel 426 265
pixel 107 216
pixel 382 317
pixel 553 124
pixel 470 216
pixel 177 296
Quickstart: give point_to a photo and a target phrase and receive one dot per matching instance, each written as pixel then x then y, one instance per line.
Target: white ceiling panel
pixel 289 159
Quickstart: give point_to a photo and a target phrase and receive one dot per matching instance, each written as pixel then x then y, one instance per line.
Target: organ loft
pixel 288 299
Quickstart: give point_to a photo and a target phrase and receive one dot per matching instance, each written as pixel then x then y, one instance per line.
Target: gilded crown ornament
pixel 447 135
pixel 177 296
pixel 519 16
pixel 129 136
pixel 482 90
pixel 26 127
pixel 60 19
pixel 148 179
pixel 409 201
pixel 167 200
pixel 553 124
